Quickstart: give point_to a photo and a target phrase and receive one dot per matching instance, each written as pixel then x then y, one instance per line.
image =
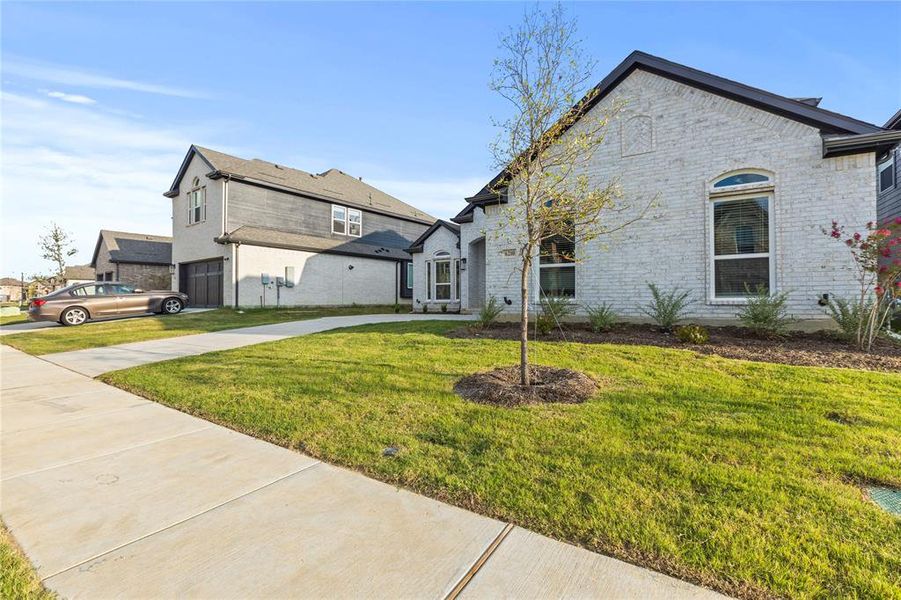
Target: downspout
pixel 237 271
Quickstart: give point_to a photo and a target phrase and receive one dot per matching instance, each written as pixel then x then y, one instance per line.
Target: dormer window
pixel 347 221
pixel 196 202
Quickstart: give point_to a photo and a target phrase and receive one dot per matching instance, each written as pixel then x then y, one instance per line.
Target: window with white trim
pixel 196 203
pixel 442 267
pixel 885 174
pixel 557 266
pixel 410 275
pixel 741 231
pixel 347 221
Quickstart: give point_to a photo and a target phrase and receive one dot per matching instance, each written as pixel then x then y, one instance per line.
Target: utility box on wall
pixel 264 279
pixel 289 277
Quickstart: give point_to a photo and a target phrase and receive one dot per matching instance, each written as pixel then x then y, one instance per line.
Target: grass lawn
pixel 10 319
pixel 18 581
pixel 123 331
pixel 739 475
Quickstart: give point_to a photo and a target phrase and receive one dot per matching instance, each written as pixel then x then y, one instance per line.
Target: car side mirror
pixel 138 291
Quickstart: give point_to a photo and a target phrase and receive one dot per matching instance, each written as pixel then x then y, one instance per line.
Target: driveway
pixel 111 495
pixel 33 325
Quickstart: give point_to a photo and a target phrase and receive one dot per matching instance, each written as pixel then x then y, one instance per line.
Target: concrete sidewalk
pixel 111 495
pixel 94 361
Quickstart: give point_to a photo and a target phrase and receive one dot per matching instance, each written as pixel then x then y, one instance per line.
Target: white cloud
pixel 85 169
pixel 64 75
pixel 73 98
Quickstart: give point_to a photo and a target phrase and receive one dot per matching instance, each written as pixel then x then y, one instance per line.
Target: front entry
pixel 202 282
pixel 476 269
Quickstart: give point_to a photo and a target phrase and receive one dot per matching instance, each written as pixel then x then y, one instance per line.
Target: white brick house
pixel 254 233
pixel 745 180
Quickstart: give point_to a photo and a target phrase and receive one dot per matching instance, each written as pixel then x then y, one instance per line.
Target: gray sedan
pixel 76 304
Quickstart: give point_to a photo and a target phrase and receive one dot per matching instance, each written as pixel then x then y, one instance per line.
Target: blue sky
pixel 100 101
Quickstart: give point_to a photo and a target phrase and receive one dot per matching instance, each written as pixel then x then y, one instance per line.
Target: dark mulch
pixel 547 384
pixel 820 349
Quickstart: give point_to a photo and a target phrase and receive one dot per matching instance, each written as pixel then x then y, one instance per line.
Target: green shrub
pixel 765 314
pixel 668 308
pixel 397 308
pixel 554 311
pixel 693 334
pixel 444 308
pixel 848 315
pixel 425 308
pixel 490 312
pixel 601 317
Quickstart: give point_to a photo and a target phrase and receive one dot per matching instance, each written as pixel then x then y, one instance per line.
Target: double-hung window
pixel 741 236
pixel 347 221
pixel 196 203
pixel 557 266
pixel 443 279
pixel 886 174
pixel 410 275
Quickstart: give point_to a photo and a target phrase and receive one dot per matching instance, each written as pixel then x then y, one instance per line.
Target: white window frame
pixel 441 256
pixel 342 220
pixel 197 203
pixel 712 298
pixel 886 164
pixel 410 275
pixel 346 220
pixel 540 291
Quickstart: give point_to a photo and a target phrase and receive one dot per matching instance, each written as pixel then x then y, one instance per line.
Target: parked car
pixel 78 303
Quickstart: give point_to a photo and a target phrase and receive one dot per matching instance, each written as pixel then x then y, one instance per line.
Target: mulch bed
pixel 820 349
pixel 501 386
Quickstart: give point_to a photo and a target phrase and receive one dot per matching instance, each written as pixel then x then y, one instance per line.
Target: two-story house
pixel 888 171
pixel 744 181
pixel 254 233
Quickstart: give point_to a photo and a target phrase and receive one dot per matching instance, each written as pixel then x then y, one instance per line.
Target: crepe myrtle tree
pixel 545 146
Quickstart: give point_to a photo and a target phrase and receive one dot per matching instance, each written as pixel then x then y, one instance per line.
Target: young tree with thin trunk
pixel 545 147
pixel 56 247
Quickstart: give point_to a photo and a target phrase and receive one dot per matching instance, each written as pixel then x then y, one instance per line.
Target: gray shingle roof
pixel 276 238
pixel 85 272
pixel 332 184
pixel 139 248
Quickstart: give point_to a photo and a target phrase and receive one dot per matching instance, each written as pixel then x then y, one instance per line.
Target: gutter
pixel 879 142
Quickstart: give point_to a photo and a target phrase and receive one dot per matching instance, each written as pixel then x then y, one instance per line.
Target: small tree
pixel 56 247
pixel 877 262
pixel 545 147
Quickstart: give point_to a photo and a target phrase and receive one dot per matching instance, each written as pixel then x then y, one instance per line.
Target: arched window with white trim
pixel 196 202
pixel 741 235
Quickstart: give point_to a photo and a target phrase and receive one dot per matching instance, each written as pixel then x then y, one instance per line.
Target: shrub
pixel 693 334
pixel 765 314
pixel 554 310
pixel 601 317
pixel 490 312
pixel 444 308
pixel 425 308
pixel 397 308
pixel 848 315
pixel 668 308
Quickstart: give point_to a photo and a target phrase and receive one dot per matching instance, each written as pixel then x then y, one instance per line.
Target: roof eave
pixel 842 145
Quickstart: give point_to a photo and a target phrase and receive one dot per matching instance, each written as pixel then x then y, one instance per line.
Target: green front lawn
pixel 18 580
pixel 123 331
pixel 742 476
pixel 11 319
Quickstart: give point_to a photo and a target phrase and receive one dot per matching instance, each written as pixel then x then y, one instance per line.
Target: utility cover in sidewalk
pixel 887 498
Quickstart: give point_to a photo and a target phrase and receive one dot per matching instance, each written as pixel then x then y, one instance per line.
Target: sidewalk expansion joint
pixel 185 520
pixel 480 562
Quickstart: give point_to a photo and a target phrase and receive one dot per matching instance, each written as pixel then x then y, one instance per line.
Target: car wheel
pixel 73 316
pixel 172 306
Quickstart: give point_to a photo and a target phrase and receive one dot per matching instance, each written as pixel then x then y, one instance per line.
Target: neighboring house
pixel 888 176
pixel 135 258
pixel 10 289
pixel 78 274
pixel 254 233
pixel 745 182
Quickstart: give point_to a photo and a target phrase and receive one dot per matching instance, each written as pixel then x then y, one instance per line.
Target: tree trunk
pixel 524 325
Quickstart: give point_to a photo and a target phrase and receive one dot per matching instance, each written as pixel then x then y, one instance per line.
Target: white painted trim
pixel 889 163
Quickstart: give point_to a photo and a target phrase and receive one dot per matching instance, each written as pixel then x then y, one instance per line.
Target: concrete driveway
pixel 33 325
pixel 111 495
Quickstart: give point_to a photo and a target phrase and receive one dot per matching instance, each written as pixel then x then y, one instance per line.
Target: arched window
pixel 741 235
pixel 196 202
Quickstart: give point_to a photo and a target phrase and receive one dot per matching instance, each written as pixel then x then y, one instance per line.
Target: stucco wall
pixel 686 139
pixel 194 242
pixel 319 279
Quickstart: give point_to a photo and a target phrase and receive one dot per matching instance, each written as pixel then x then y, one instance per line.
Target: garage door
pixel 202 282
